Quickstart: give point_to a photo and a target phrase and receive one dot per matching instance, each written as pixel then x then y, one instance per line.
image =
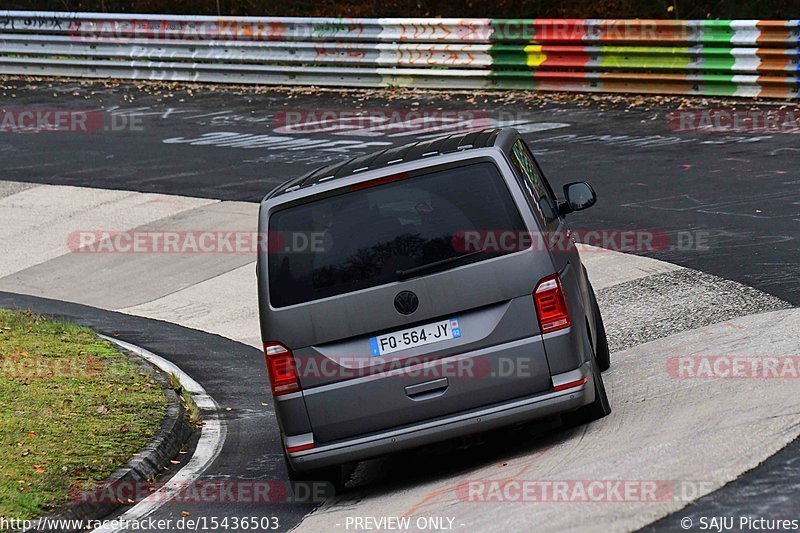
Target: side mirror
pixel 579 195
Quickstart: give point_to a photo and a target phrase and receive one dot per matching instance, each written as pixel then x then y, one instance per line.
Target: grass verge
pixel 73 408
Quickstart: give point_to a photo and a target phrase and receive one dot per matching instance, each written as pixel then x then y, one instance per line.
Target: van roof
pixel 500 137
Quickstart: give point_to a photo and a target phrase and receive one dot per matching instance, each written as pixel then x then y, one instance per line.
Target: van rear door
pixel 415 301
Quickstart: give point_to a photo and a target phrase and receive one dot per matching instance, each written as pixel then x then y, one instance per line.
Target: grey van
pixel 422 293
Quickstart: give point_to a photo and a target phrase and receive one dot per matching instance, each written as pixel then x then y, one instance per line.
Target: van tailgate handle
pixel 429 389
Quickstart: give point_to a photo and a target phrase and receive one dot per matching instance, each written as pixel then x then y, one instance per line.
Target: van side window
pixel 533 180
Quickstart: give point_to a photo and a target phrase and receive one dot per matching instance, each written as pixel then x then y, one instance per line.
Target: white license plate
pixel 412 337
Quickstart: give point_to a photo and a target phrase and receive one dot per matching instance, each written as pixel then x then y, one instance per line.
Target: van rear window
pixel 372 236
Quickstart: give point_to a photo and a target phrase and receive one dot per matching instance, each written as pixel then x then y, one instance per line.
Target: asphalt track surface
pixel 741 190
pixel 737 195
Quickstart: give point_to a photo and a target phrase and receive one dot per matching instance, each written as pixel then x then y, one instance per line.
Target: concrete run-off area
pixel 675 434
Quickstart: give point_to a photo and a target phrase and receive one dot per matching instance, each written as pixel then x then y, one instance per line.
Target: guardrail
pixel 719 58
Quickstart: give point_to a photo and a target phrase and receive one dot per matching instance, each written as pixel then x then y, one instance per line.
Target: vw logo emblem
pixel 406 302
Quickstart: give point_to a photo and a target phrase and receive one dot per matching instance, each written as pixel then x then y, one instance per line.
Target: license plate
pixel 413 337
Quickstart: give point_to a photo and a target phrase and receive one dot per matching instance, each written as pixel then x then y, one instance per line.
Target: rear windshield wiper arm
pixel 402 274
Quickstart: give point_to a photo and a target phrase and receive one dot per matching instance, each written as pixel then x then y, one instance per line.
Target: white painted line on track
pixel 212 438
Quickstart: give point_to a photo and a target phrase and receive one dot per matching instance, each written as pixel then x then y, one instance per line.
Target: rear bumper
pixel 519 410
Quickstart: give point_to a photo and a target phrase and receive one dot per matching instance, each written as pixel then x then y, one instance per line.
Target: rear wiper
pixel 403 274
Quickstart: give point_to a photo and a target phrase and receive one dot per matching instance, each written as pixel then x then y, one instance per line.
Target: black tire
pixel 601 350
pixel 596 410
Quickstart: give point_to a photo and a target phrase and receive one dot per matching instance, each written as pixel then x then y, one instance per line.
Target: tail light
pixel 551 307
pixel 281 369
